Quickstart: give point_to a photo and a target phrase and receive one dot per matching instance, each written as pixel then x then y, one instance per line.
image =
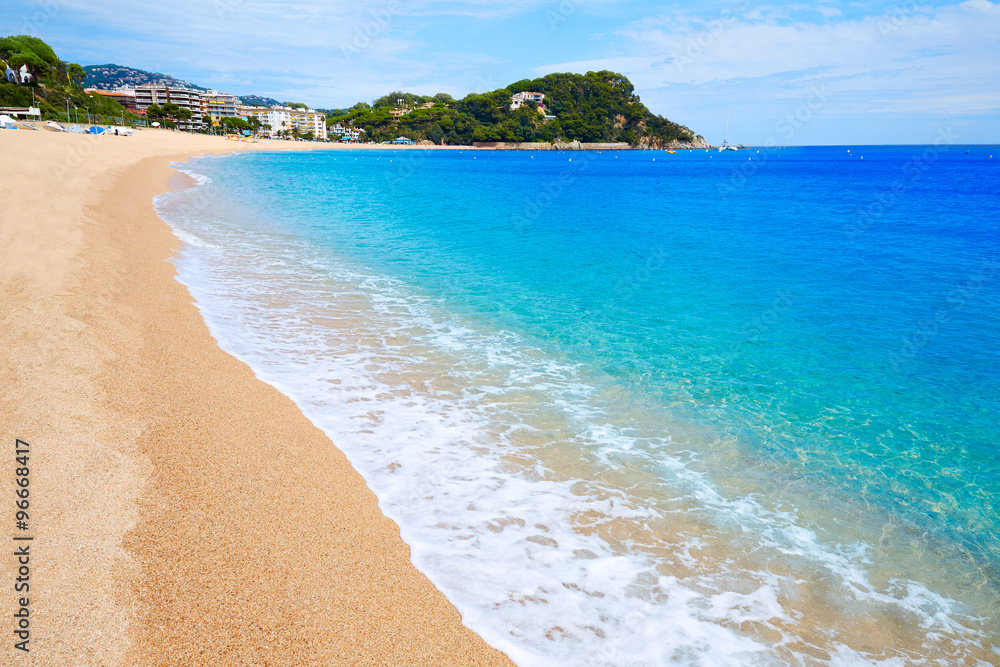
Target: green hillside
pixel 109 77
pixel 594 107
pixel 597 107
pixel 56 85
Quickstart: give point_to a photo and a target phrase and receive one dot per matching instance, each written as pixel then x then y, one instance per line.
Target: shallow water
pixel 638 407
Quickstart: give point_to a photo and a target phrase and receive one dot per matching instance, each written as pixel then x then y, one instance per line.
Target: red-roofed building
pixel 124 97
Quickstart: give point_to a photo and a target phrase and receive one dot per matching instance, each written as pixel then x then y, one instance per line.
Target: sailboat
pixel 725 144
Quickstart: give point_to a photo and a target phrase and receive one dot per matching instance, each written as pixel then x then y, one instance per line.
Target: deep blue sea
pixel 643 408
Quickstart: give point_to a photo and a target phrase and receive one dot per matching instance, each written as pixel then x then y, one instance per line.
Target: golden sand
pixel 183 512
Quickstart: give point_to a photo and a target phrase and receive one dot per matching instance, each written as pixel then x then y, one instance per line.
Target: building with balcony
pixel 286 120
pixel 349 134
pixel 517 100
pixel 216 105
pixel 310 120
pixel 149 94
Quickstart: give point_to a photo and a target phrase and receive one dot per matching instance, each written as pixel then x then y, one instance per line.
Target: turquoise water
pixel 639 407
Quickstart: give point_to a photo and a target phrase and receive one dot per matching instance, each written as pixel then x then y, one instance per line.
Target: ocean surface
pixel 641 408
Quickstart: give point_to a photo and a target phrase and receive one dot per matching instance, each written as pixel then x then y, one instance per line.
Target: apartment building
pixel 148 94
pixel 287 119
pixel 309 120
pixel 216 105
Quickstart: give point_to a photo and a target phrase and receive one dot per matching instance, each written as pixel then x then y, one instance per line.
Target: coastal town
pixel 596 110
pixel 199 111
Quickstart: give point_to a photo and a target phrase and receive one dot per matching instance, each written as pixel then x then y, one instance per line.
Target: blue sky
pixel 829 73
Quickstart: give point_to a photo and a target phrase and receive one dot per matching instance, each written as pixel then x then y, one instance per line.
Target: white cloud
pixel 917 65
pixel 951 55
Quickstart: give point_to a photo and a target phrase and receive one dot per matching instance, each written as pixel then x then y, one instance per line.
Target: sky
pixel 786 74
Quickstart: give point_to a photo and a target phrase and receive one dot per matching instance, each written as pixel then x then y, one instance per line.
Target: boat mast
pixel 725 135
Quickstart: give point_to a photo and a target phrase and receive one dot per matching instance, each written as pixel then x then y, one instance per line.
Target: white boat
pixel 725 135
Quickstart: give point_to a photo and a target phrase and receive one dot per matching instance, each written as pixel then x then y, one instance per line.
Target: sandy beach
pixel 182 511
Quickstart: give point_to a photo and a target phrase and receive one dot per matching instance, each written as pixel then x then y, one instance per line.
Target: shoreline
pixel 187 512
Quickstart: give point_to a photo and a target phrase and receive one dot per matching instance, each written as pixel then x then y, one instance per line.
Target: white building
pixel 33 113
pixel 21 75
pixel 310 120
pixel 286 119
pixel 260 113
pixel 517 100
pixel 347 133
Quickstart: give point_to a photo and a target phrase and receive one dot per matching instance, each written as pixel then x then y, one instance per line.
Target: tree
pixel 436 133
pixel 170 114
pixel 76 74
pixel 235 124
pixel 19 50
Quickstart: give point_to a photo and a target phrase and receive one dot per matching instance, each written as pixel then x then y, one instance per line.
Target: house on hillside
pixel 517 100
pixel 18 75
